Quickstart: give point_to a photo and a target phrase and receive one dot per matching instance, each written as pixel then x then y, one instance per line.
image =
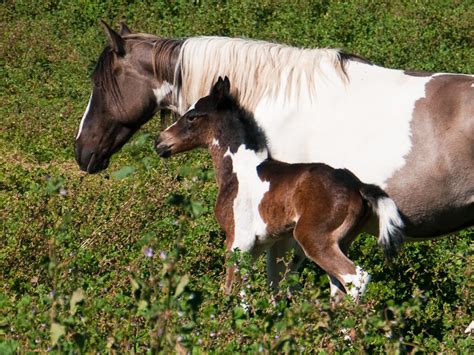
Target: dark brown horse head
pixel 195 128
pixel 127 91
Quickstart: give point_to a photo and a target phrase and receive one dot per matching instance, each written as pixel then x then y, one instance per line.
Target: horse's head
pixel 196 127
pixel 125 95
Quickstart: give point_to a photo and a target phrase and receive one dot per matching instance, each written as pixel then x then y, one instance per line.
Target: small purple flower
pixel 162 255
pixel 148 252
pixel 277 337
pixel 52 293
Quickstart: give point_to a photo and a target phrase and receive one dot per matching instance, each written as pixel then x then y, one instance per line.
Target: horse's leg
pixel 275 266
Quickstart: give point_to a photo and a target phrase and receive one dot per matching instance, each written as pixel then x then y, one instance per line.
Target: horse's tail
pixel 391 226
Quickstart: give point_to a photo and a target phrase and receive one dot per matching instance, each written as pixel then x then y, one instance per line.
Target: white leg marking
pixel 356 284
pixel 334 285
pixel 84 117
pixel 470 328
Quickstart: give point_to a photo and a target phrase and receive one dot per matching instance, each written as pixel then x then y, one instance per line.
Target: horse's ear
pixel 116 42
pixel 124 30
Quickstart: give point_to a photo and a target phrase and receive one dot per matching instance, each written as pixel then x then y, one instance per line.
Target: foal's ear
pixel 221 88
pixel 226 85
pixel 124 29
pixel 116 42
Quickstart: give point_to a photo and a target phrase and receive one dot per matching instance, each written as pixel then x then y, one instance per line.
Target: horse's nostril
pixel 157 142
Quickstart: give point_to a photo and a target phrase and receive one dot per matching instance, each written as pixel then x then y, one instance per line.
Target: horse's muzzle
pixel 162 149
pixel 90 161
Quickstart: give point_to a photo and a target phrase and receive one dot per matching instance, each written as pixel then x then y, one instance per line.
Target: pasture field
pixel 131 259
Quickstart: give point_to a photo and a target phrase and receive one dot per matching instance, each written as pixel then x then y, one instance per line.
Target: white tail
pixel 391 226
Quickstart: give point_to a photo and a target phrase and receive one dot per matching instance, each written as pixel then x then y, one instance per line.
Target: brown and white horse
pixel 262 200
pixel 412 134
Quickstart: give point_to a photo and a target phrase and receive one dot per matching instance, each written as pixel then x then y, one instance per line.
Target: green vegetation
pixel 132 259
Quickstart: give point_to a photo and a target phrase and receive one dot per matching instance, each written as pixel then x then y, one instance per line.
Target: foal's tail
pixel 391 226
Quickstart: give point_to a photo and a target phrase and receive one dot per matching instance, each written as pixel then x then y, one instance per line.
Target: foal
pixel 262 200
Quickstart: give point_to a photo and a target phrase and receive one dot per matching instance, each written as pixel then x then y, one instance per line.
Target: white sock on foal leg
pixel 357 284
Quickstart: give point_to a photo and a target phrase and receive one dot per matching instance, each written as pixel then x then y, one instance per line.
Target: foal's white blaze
pixel 247 219
pixel 356 284
pixel 371 113
pixel 164 90
pixel 84 117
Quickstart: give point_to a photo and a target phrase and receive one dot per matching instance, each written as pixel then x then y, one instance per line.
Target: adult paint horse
pixel 262 200
pixel 410 133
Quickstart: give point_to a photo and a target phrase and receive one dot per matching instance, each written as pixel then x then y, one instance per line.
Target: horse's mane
pixel 256 68
pixel 104 78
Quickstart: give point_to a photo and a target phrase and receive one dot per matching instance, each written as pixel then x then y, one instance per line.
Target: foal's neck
pixel 237 140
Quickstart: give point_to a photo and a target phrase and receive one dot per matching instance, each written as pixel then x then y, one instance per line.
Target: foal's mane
pixel 252 135
pixel 256 68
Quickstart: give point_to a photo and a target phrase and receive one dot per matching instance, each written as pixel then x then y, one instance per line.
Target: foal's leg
pixel 322 246
pixel 275 266
pixel 254 251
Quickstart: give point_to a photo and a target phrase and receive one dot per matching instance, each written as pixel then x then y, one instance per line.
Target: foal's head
pixel 217 116
pixel 197 127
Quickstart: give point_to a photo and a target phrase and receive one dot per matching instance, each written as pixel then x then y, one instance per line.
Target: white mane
pixel 255 68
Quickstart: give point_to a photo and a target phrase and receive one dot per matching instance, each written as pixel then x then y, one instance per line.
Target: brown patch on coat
pixel 439 170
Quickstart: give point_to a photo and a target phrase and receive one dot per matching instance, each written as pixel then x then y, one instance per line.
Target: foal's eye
pixel 193 117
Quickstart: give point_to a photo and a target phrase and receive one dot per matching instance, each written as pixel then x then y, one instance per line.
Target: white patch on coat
pixel 362 124
pixel 84 117
pixel 164 90
pixel 247 219
pixel 356 284
pixel 215 142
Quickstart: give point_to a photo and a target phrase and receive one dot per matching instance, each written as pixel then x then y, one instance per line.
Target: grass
pixel 131 260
